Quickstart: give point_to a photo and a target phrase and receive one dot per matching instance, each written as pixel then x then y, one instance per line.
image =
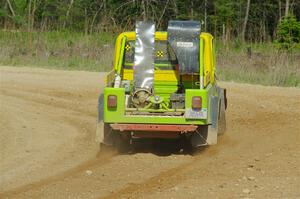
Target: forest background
pixel 257 41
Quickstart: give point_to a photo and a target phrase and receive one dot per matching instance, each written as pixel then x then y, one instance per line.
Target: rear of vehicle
pixel 180 102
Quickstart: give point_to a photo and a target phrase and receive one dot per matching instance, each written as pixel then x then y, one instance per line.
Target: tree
pixel 10 8
pixel 68 13
pixel 249 20
pixel 245 20
pixel 288 33
pixel 287 6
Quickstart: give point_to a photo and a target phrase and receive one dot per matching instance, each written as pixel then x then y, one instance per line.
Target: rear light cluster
pixel 197 102
pixel 112 101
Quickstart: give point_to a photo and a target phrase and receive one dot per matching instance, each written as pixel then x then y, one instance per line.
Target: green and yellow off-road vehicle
pixel 162 86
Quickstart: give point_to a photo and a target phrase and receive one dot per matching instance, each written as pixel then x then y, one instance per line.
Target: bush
pixel 288 33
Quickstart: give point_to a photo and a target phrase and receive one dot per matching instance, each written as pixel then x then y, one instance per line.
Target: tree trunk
pixel 205 15
pixel 104 19
pixel 228 32
pixel 5 18
pixel 279 10
pixel 33 14
pixel 287 6
pixel 216 21
pixel 245 20
pixel 175 8
pixel 68 13
pixel 192 10
pixel 163 13
pixel 265 32
pixel 261 32
pixel 144 10
pixel 223 33
pixel 86 25
pixel 29 25
pixel 11 8
pixel 93 20
pixel 43 23
pixel 29 17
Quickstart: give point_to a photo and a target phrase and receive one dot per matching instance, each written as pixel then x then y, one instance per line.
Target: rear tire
pixel 122 142
pixel 198 138
pixel 115 139
pixel 105 147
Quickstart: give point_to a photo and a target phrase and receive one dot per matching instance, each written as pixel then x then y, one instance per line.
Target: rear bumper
pixel 120 115
pixel 154 127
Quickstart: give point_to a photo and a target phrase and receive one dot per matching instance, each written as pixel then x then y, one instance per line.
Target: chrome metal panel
pixel 144 55
pixel 194 114
pixel 183 37
pixel 212 134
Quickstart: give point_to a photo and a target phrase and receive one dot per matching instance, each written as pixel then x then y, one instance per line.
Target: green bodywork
pixel 163 89
pixel 117 115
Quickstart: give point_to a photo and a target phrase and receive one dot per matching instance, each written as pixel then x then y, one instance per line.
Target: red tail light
pixel 197 102
pixel 112 101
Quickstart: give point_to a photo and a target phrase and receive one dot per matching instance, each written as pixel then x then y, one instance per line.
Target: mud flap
pixel 100 124
pixel 218 121
pixel 222 108
pixel 212 134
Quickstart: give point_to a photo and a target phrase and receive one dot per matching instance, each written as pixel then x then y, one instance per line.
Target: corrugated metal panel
pixel 144 55
pixel 183 36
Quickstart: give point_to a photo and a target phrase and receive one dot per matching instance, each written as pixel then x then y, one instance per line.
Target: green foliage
pixel 19 20
pixel 288 33
pixel 224 17
pixel 80 35
pixel 3 12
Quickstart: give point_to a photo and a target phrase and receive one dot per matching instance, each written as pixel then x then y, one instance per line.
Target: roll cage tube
pixel 201 61
pixel 214 60
pixel 121 56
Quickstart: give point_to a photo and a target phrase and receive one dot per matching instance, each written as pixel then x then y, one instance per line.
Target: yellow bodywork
pixel 170 75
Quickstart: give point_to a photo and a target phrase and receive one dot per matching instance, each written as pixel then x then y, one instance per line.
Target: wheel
pixel 105 147
pixel 122 142
pixel 105 134
pixel 199 137
pixel 114 139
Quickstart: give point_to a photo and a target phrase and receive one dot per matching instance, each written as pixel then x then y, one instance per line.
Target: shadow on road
pixel 164 147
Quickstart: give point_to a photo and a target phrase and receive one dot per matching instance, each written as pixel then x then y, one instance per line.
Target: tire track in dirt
pixel 168 178
pixel 100 160
pixel 262 141
pixel 46 100
pixel 34 94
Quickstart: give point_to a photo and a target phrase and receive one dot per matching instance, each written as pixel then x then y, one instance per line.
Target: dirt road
pixel 48 121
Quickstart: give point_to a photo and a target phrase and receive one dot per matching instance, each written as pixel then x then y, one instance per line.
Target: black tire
pixel 107 136
pixel 198 138
pixel 122 142
pixel 115 139
pixel 105 148
pixel 111 138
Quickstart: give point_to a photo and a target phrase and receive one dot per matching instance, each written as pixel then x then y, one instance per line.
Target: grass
pixel 76 51
pixel 57 50
pixel 266 65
